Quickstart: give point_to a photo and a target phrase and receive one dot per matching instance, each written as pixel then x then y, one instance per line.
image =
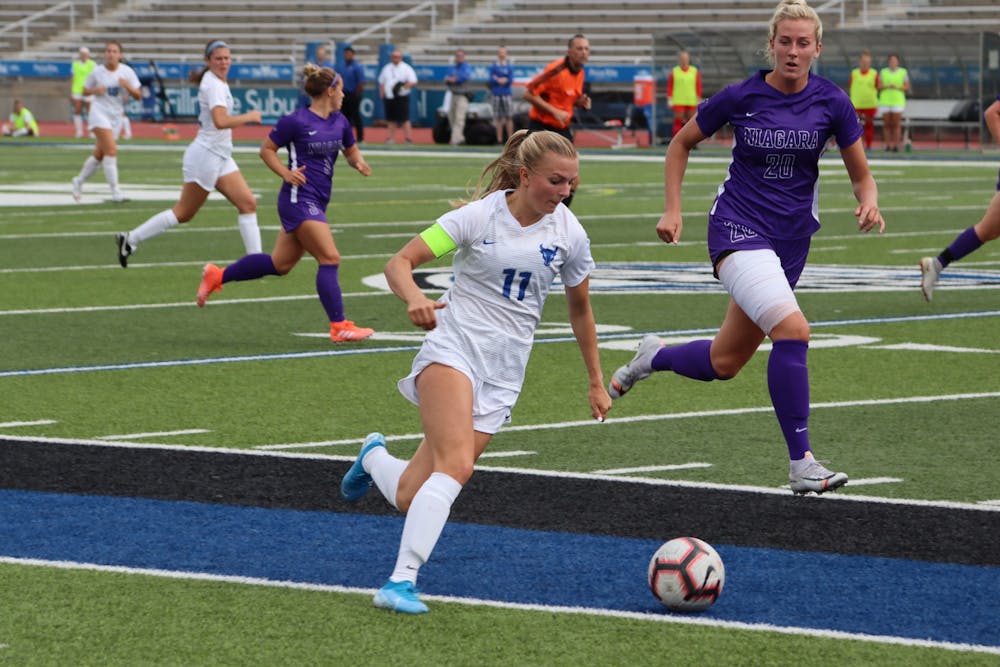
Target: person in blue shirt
pixel 353 75
pixel 501 80
pixel 457 80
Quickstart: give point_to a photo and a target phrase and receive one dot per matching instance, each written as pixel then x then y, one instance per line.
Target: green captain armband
pixel 438 240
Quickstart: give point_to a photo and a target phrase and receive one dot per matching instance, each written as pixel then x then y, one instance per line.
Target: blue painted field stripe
pixel 874 596
pixel 411 348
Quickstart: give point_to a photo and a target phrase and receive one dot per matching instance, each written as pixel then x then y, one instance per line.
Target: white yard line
pixel 37 422
pixel 153 434
pixel 664 468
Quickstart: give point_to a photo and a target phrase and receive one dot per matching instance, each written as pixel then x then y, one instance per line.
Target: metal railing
pixel 384 26
pixel 24 23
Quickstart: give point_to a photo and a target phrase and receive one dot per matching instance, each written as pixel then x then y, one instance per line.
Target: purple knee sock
pixel 328 288
pixel 788 382
pixel 250 267
pixel 964 243
pixel 690 360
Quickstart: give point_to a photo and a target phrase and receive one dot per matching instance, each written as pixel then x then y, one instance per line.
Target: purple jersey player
pixel 987 229
pixel 314 136
pixel 760 225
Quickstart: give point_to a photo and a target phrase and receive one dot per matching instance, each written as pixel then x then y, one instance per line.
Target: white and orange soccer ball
pixel 686 574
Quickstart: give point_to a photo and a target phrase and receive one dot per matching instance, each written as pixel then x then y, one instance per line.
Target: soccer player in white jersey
pixel 761 223
pixel 208 161
pixel 510 243
pixel 108 83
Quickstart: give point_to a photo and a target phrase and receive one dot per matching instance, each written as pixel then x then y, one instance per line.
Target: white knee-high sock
pixel 155 226
pixel 386 470
pixel 250 232
pixel 126 128
pixel 90 165
pixel 78 125
pixel 424 522
pixel 111 172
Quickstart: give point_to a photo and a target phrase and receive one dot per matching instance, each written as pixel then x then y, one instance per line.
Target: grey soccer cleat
pixel 816 478
pixel 639 368
pixel 930 271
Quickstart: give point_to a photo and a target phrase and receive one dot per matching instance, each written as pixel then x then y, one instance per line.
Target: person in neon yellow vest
pixel 683 91
pixel 81 69
pixel 893 86
pixel 22 122
pixel 863 88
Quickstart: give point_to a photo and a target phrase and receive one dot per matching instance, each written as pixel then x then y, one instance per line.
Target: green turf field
pixel 904 392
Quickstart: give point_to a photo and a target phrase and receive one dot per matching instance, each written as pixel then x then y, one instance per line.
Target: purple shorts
pixel 293 214
pixel 725 237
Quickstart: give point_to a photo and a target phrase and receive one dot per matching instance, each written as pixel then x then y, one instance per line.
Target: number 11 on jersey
pixel 508 281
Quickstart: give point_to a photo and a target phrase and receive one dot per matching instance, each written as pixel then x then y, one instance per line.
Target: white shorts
pixel 884 110
pixel 82 97
pixel 204 167
pixel 491 404
pixel 758 285
pixel 99 119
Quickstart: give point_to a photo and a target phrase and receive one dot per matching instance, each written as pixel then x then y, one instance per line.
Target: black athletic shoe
pixel 124 249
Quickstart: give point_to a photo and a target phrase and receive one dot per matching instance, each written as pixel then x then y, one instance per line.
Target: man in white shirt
pixel 395 82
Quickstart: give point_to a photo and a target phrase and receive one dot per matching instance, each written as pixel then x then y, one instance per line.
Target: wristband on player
pixel 438 240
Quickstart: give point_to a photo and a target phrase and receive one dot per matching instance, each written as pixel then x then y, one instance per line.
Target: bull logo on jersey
pixel 548 254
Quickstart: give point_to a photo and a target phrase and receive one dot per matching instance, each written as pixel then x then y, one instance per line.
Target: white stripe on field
pixel 476 602
pixel 560 474
pixel 500 455
pixel 871 481
pixel 924 347
pixel 726 412
pixel 665 468
pixel 131 436
pixel 39 422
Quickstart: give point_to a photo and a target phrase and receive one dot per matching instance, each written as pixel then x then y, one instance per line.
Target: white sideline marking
pixel 816 341
pixel 677 466
pixel 661 417
pixel 869 481
pixel 650 481
pixel 923 347
pixel 990 502
pixel 662 617
pixel 39 422
pixel 513 452
pixel 153 434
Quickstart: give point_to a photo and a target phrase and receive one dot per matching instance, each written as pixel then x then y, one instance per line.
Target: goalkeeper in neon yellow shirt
pixel 22 122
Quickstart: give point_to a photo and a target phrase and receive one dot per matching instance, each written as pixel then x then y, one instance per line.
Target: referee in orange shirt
pixel 555 92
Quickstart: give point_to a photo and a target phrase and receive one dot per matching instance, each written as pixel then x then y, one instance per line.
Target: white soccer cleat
pixel 930 271
pixel 814 476
pixel 639 368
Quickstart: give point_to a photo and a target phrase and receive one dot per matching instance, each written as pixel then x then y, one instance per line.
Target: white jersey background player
pixel 510 246
pixel 208 161
pixel 109 84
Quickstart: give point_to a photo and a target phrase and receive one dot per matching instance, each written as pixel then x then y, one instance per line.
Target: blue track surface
pixel 881 596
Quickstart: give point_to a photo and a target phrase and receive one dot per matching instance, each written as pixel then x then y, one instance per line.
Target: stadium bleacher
pixel 263 31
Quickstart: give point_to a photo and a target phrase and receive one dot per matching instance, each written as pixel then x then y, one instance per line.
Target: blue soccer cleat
pixel 399 596
pixel 357 482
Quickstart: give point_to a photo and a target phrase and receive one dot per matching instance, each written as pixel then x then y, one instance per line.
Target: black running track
pixel 618 508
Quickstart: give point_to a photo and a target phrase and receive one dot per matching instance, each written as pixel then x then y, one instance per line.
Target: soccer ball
pixel 686 574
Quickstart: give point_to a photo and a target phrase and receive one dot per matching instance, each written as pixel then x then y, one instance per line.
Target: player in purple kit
pixel 314 136
pixel 970 240
pixel 761 223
